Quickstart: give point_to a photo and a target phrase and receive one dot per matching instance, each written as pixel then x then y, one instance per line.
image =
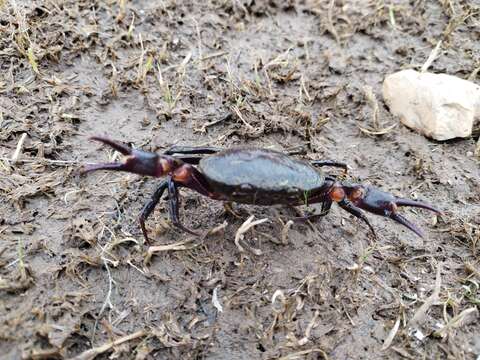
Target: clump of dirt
pixel 76 280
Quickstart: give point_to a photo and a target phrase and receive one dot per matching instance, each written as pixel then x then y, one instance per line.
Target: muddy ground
pixel 74 272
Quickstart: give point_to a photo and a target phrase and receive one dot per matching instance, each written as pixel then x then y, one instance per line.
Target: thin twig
pixel 92 353
pixel 47 161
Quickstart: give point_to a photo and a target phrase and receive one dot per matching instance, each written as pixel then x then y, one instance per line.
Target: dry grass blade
pixel 202 129
pixel 94 352
pixel 213 55
pixel 107 302
pixel 372 100
pixel 403 353
pixel 240 234
pixel 217 229
pixel 477 148
pixel 330 26
pixel 46 162
pixel 431 58
pixel 144 67
pixel 285 230
pixel 32 60
pixel 120 241
pixel 380 132
pixel 182 245
pixel 122 10
pixel 420 314
pixel 24 279
pixel 303 88
pixel 457 20
pixel 391 16
pixel 215 300
pixel 236 110
pixel 18 149
pixel 183 65
pixel 279 60
pixel 470 268
pixel 301 354
pixel 310 326
pixel 38 354
pixel 170 95
pixel 373 103
pixel 391 335
pixel 199 38
pixel 278 294
pixel 455 322
pixel 473 75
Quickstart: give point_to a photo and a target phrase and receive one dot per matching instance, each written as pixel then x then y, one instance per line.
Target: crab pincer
pixel 381 203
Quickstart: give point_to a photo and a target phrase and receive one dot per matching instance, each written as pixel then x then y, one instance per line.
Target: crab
pixel 254 176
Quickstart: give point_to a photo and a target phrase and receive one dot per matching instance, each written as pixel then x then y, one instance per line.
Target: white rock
pixel 418 334
pixel 437 105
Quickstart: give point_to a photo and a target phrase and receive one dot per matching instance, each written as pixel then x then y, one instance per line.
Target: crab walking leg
pixel 150 206
pixel 303 219
pixel 326 206
pixel 208 150
pixel 192 150
pixel 189 159
pixel 183 152
pixel 349 207
pixel 333 163
pixel 173 204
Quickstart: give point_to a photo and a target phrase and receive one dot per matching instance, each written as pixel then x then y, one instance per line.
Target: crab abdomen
pixel 260 176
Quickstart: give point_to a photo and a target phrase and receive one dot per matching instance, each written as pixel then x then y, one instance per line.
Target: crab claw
pixel 384 204
pixel 136 161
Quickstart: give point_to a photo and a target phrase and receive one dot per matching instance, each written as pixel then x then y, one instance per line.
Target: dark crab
pixel 253 176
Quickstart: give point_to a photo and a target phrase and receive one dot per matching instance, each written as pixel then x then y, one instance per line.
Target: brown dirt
pixel 72 269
